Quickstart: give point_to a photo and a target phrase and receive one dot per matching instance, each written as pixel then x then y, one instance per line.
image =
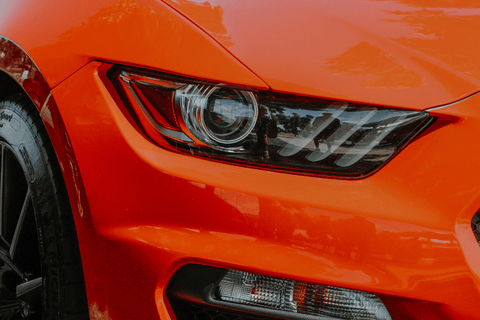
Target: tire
pixel 41 275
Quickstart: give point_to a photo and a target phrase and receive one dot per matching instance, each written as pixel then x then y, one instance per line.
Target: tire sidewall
pixel 18 130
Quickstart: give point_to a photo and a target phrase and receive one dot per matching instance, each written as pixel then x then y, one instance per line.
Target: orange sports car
pixel 239 160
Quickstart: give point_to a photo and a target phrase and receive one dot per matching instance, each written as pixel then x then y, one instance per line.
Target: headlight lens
pixel 280 132
pixel 217 116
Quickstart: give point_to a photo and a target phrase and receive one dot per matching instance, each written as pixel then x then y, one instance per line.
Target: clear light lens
pixel 300 297
pixel 275 131
pixel 218 116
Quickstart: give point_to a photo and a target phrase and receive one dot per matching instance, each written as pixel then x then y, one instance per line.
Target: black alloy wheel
pixel 20 270
pixel 41 275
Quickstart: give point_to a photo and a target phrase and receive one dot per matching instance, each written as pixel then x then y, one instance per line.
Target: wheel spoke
pixel 30 295
pixel 16 235
pixel 5 257
pixel 9 308
pixel 9 305
pixel 29 288
pixel 4 242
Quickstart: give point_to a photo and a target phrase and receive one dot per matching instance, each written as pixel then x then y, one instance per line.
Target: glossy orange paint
pixel 16 63
pixel 143 212
pixel 388 233
pixel 412 54
pixel 62 37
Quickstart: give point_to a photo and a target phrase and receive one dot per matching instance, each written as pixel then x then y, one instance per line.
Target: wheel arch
pixel 17 65
pixel 19 73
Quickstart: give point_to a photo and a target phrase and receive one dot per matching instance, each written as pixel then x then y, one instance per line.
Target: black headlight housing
pixel 266 129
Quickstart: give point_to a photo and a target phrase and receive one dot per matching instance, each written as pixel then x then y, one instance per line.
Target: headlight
pixel 265 129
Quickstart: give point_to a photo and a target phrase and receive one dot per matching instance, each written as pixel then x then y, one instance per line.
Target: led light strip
pixel 307 134
pixel 371 139
pixel 340 136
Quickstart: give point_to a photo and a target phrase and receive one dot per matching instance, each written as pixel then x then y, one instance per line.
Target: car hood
pixel 406 53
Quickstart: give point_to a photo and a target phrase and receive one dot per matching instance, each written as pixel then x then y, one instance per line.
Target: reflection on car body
pixel 187 159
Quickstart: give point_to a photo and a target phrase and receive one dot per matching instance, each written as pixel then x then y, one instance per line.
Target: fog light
pixel 299 297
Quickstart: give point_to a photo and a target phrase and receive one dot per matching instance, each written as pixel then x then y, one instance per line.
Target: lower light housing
pixel 300 297
pixel 202 292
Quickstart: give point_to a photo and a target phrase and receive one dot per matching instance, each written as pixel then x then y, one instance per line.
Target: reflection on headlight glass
pixel 281 132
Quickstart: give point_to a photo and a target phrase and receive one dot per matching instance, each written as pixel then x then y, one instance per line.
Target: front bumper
pixel 403 233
